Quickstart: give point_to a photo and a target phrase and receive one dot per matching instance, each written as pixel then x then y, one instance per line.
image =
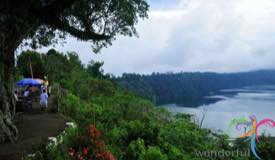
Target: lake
pixel 233 103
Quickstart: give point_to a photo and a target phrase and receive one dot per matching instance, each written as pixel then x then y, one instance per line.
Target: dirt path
pixel 35 126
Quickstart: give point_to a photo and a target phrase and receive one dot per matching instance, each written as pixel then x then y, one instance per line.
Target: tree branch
pixel 53 9
pixel 82 35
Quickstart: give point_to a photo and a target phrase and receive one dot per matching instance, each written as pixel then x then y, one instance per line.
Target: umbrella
pixel 40 81
pixel 27 82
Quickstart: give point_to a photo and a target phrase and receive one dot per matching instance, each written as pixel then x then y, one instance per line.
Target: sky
pixel 192 35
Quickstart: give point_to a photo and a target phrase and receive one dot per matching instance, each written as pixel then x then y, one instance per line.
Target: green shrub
pixel 136 150
pixel 154 153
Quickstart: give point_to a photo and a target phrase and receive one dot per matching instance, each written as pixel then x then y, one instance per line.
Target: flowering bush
pixel 92 148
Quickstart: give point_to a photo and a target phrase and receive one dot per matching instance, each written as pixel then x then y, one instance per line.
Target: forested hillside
pixel 112 123
pixel 190 88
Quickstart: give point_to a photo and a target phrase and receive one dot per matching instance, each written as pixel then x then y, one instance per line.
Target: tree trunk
pixel 8 131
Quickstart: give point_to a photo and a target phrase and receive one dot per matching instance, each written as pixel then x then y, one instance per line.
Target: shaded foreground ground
pixel 35 126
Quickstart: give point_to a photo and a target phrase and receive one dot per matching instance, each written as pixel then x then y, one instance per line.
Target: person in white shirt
pixel 26 93
pixel 44 100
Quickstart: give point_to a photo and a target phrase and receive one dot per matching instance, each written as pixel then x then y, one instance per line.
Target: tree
pixel 27 58
pixel 44 22
pixel 94 68
pixel 56 65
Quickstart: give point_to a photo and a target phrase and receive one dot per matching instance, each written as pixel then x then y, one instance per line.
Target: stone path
pixel 35 126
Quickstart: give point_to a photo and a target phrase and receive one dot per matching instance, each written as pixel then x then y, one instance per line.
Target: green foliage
pixel 266 147
pixel 132 128
pixel 30 59
pixel 98 22
pixel 136 150
pixel 94 68
pixel 72 104
pixel 56 65
pixel 154 153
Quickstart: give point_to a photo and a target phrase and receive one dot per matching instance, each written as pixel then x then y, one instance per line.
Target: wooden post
pixel 30 63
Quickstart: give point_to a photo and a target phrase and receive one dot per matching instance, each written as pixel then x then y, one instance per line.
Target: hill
pixel 189 89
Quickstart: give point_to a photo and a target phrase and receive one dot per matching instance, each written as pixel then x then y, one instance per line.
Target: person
pixel 27 100
pixel 46 81
pixel 26 93
pixel 48 88
pixel 43 87
pixel 44 99
pixel 33 89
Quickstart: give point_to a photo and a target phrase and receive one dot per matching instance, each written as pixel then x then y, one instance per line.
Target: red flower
pixel 94 133
pixel 109 156
pixel 105 156
pixel 85 151
pixel 71 151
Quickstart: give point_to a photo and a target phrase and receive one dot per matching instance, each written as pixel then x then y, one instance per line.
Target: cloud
pixel 221 37
pixel 193 35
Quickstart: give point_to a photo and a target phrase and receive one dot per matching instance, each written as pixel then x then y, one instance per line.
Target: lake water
pixel 234 103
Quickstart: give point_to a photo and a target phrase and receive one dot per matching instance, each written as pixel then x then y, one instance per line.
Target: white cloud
pixel 194 35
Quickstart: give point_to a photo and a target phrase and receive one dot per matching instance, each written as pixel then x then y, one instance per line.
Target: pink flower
pixel 71 151
pixel 85 151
